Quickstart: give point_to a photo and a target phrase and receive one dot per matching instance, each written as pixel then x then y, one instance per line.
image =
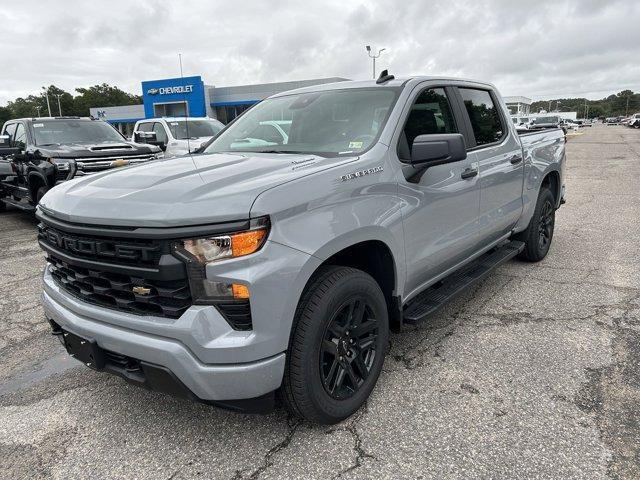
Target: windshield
pixel 49 132
pixel 327 123
pixel 182 130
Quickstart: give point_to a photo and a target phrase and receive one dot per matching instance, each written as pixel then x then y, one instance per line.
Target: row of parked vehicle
pixel 277 256
pixel 633 121
pixel 550 121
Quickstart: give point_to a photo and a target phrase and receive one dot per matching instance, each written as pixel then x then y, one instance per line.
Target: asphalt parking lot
pixel 533 374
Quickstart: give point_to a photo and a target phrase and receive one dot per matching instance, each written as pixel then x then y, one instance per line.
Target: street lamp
pixel 46 93
pixel 59 107
pixel 373 57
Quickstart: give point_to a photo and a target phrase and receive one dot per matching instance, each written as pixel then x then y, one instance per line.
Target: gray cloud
pixel 544 48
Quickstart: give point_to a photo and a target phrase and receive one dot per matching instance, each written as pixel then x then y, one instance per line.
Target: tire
pixel 335 355
pixel 3 206
pixel 40 193
pixel 539 233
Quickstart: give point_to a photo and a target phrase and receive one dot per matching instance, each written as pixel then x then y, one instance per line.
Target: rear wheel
pixel 337 347
pixel 539 233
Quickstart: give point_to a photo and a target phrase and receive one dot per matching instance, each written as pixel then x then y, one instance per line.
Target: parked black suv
pixel 42 152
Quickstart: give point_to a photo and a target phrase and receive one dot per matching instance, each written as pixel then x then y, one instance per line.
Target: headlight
pixel 198 252
pixel 219 247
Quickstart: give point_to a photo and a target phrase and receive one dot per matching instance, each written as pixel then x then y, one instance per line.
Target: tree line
pixel 76 105
pixel 624 103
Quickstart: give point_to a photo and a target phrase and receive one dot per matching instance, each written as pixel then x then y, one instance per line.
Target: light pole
pixel 373 57
pixel 38 110
pixel 46 94
pixel 59 107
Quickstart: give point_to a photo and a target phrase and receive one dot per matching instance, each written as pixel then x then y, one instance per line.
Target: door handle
pixel 515 159
pixel 469 173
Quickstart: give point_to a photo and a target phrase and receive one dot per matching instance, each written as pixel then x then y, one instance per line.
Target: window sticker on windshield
pixel 38 125
pixel 355 144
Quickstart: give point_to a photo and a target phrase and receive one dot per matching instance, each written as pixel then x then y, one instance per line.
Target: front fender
pixel 322 214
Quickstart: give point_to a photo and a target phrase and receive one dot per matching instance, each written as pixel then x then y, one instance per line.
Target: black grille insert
pixel 115 290
pixel 236 312
pixel 114 250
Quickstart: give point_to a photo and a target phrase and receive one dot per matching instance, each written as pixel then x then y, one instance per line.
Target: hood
pixel 190 190
pixel 95 150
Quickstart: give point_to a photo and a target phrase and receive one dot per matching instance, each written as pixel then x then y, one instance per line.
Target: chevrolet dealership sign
pixel 170 90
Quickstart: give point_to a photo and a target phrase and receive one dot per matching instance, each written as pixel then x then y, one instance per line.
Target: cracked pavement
pixel 534 373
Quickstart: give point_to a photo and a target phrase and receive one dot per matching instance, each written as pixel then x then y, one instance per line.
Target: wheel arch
pixel 375 257
pixel 551 180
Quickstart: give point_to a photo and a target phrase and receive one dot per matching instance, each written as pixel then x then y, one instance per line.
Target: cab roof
pixel 396 82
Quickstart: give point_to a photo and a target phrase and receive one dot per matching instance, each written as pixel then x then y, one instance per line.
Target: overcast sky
pixel 538 49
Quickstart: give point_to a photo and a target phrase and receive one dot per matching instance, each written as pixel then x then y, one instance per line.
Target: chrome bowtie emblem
pixel 141 290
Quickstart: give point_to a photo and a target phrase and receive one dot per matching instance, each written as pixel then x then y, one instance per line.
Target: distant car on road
pixel 177 136
pixel 634 121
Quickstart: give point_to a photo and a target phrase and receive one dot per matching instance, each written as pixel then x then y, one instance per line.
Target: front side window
pixel 430 114
pixel 330 123
pixel 20 137
pixel 10 130
pixel 51 132
pixel 484 116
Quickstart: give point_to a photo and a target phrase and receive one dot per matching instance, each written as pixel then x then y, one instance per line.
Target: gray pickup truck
pixel 249 270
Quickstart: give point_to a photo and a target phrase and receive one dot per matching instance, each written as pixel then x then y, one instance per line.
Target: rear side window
pixel 161 133
pixel 483 113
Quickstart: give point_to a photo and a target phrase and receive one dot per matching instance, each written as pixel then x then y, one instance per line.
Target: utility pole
pixel 46 94
pixel 38 110
pixel 626 109
pixel 59 107
pixel 374 56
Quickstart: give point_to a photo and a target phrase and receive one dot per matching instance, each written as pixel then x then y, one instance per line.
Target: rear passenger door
pixel 500 163
pixel 441 213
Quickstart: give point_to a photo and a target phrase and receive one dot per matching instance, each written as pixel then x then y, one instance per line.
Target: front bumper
pixel 207 382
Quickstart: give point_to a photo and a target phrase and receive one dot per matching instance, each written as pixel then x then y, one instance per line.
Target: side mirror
pixel 438 149
pixel 150 138
pixel 5 141
pixel 145 137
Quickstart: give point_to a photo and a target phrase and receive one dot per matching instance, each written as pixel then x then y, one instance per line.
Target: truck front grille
pixel 86 166
pixel 118 291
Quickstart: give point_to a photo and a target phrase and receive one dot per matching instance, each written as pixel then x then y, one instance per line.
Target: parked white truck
pixel 177 136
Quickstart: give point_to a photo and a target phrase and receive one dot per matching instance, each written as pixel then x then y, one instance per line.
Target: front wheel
pixel 538 235
pixel 337 346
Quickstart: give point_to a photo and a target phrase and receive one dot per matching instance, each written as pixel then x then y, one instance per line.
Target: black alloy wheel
pixel 337 347
pixel 545 225
pixel 539 233
pixel 348 348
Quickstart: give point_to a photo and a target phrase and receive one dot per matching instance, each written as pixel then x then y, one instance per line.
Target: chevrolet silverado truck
pixel 243 272
pixel 49 151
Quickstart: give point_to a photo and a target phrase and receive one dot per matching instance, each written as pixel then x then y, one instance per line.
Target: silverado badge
pixel 141 290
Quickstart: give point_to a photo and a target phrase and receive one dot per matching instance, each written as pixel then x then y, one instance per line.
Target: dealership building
pixel 189 96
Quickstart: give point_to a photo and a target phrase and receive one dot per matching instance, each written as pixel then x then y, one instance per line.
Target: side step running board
pixel 430 300
pixel 21 205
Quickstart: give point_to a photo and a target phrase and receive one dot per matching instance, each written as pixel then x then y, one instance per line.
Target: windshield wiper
pixel 296 152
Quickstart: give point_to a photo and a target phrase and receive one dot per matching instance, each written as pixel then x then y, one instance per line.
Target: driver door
pixel 442 202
